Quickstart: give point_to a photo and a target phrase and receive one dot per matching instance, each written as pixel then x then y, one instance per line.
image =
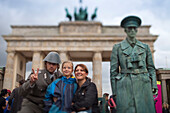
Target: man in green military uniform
pixel 34 89
pixel 132 72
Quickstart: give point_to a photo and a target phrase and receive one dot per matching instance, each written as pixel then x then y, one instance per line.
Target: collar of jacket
pixel 87 82
pixel 127 49
pixel 130 42
pixel 69 80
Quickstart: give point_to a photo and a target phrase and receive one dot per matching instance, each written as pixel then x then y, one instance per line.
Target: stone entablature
pixel 163 74
pixel 80 27
pixel 34 30
pixel 73 28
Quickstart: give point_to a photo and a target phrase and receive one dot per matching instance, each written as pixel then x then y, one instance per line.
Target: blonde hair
pixel 68 62
pixel 167 105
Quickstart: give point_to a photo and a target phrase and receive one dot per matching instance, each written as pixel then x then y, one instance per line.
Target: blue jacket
pixel 63 89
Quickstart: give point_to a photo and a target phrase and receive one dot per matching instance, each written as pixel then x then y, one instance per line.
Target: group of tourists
pixel 53 91
pixel 132 76
pixel 4 97
pixel 11 102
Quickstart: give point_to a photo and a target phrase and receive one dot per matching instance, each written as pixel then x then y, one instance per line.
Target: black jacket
pixel 16 105
pixel 86 96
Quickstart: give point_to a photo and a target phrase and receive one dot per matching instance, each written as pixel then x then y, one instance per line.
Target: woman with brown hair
pixel 86 97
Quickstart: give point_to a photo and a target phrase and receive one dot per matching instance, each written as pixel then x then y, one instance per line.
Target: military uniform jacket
pixel 132 75
pixel 36 92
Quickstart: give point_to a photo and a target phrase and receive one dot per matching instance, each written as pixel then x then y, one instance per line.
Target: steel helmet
pixel 53 57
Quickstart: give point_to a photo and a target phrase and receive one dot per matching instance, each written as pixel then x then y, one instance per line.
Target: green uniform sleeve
pixel 114 68
pixel 151 68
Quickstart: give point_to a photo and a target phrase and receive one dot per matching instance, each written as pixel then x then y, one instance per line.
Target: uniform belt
pixel 134 71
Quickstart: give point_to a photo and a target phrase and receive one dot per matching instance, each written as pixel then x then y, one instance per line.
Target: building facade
pixel 75 41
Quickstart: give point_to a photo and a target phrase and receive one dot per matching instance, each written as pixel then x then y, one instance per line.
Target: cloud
pixel 110 12
pixel 162 59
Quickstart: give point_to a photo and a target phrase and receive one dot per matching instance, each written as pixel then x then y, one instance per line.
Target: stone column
pixel 36 60
pixel 64 57
pixel 164 89
pixel 97 72
pixel 10 71
pixel 42 63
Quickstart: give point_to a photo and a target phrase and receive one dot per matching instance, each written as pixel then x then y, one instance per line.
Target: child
pixel 59 93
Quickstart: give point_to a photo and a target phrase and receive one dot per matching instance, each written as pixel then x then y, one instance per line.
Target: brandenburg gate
pixel 73 40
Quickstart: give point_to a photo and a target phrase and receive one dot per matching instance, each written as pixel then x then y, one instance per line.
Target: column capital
pixel 10 51
pixel 36 51
pixel 97 51
pixel 62 52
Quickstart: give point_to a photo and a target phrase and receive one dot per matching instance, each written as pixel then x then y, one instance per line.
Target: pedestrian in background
pixel 165 108
pixel 6 110
pixel 112 104
pixel 15 100
pixel 3 100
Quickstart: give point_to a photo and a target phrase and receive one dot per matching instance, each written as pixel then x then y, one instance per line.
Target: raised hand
pixel 34 76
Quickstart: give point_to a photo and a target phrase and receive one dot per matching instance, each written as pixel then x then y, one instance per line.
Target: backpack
pixel 112 102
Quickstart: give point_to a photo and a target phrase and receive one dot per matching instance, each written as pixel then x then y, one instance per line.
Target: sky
pixel 110 12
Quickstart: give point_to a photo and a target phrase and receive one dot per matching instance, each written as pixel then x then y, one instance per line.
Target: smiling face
pixel 67 69
pixel 80 73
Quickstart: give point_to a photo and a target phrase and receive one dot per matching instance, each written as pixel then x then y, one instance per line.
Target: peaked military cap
pixel 131 21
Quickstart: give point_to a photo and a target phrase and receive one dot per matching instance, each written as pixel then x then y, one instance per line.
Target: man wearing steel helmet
pixel 132 72
pixel 34 89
